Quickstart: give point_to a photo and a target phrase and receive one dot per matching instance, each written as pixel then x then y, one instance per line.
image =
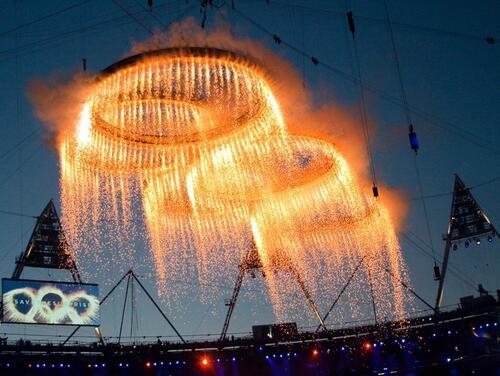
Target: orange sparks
pixel 197 138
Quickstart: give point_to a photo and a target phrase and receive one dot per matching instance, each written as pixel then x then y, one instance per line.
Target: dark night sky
pixel 453 77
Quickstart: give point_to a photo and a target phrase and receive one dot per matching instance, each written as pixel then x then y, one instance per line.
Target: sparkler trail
pixel 197 137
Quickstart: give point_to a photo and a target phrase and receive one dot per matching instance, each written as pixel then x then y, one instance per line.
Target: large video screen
pixel 44 302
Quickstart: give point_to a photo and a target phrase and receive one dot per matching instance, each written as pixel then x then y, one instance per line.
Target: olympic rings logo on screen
pixel 49 305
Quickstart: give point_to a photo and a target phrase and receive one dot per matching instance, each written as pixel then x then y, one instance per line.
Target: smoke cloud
pixel 58 101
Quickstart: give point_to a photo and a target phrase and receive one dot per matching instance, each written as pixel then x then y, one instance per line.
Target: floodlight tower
pixel 468 223
pixel 47 247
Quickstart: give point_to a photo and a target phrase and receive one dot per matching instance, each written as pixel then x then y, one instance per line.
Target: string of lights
pixel 444 344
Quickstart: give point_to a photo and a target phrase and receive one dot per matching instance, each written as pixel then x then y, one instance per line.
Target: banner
pixel 45 302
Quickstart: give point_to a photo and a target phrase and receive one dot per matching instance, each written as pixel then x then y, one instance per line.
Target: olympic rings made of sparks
pixel 79 307
pixel 280 180
pixel 168 107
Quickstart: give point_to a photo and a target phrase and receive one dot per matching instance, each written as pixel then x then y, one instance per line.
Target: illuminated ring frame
pixel 133 137
pixel 328 178
pixel 188 52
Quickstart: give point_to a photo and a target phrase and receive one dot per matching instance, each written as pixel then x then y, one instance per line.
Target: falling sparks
pixel 83 126
pixel 196 138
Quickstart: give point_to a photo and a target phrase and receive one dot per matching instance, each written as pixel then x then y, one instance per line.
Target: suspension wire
pixel 19 133
pixel 19 143
pixel 303 29
pixel 490 39
pixel 424 207
pixel 29 47
pixel 151 14
pixel 18 214
pixel 362 100
pixel 406 110
pixel 398 66
pixel 458 272
pixel 487 182
pixel 37 20
pixel 132 15
pixel 429 118
pixel 19 167
pixel 452 268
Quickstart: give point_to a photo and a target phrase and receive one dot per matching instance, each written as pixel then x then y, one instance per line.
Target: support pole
pixel 408 288
pixel 100 303
pixel 308 296
pixel 123 311
pixel 342 291
pixel 372 295
pixel 157 306
pixel 444 267
pixel 232 302
pixel 132 307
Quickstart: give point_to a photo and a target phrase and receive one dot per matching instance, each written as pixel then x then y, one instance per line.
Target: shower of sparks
pixel 196 136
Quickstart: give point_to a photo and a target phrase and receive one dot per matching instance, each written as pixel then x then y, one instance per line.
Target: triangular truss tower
pixel 250 265
pixel 468 223
pixel 47 247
